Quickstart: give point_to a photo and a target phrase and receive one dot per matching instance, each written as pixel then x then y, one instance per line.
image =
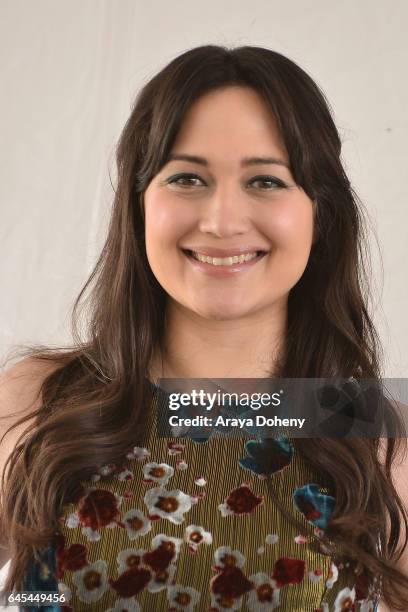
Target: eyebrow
pixel 246 161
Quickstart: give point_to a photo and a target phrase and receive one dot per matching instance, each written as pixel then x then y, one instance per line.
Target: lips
pixel 221 254
pixel 225 265
pixel 189 254
pixel 218 252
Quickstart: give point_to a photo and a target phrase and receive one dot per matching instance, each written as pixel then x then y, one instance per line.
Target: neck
pixel 195 347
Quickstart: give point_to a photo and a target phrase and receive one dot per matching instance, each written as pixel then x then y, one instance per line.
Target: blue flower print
pixel 314 505
pixel 267 456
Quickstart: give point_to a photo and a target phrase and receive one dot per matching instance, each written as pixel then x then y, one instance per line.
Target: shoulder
pixel 20 394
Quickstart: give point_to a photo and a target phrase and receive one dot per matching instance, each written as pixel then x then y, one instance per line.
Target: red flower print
pixel 288 571
pixel 362 586
pixel 174 448
pixel 160 558
pixel 308 509
pixel 161 580
pixel 231 583
pixel 71 559
pixel 59 541
pixel 132 582
pixel 98 508
pixel 80 491
pixel 240 501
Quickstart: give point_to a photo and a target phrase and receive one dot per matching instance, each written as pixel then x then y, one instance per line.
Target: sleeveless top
pixel 194 525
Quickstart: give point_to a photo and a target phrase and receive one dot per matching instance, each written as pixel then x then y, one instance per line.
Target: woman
pixel 227 154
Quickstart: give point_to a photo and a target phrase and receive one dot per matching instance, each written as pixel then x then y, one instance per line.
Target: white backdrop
pixel 69 72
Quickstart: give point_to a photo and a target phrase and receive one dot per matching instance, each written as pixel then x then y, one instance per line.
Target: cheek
pixel 166 223
pixel 291 227
pixel 290 231
pixel 160 226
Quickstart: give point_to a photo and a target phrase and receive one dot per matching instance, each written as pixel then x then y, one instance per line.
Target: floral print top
pixel 191 525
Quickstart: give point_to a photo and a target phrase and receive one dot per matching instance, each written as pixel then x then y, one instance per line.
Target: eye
pixel 268 183
pixel 188 180
pixel 185 180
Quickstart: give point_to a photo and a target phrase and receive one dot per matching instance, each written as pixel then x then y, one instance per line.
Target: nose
pixel 226 213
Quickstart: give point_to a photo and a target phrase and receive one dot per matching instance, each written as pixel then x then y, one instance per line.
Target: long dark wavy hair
pixel 94 399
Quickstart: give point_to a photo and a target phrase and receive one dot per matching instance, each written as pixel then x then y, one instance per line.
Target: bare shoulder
pixel 20 394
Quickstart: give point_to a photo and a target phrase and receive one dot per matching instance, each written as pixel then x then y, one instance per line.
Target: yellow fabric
pixel 217 462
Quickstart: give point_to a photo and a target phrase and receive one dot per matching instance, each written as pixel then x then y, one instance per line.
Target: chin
pixel 222 313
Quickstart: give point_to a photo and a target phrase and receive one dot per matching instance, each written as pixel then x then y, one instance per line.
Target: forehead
pixel 234 119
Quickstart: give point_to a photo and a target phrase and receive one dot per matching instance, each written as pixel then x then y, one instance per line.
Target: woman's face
pixel 227 194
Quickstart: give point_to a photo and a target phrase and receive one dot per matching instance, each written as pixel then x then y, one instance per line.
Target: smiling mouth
pixel 224 261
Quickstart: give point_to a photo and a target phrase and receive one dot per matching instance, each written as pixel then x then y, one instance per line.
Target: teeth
pixel 224 261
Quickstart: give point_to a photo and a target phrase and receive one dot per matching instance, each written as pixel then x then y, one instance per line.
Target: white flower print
pixel 195 536
pixel 72 520
pixel 316 575
pixel 173 448
pixel 200 481
pixel 344 600
pixel 196 498
pixel 136 523
pixel 92 535
pixel 265 596
pixel 107 470
pixel 333 575
pixel 225 604
pixel 162 579
pixel 182 598
pixel 157 472
pixel 63 589
pixel 91 581
pixel 138 453
pixel 271 538
pixel 130 605
pixel 125 474
pixel 300 539
pixel 226 557
pixel 128 558
pixel 173 544
pixel 171 505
